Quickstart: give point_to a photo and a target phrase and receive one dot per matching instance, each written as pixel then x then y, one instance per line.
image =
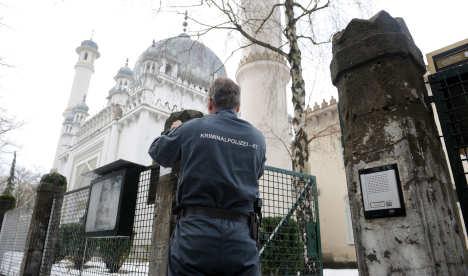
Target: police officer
pixel 221 158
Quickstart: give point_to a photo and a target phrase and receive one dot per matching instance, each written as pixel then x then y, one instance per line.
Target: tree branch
pixel 285 145
pixel 309 11
pixel 229 12
pixel 329 130
pixel 268 16
pixel 312 40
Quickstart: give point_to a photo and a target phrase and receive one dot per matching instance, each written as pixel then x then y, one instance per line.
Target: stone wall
pixel 326 163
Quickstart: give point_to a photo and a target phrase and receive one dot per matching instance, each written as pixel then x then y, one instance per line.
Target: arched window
pixel 152 67
pixel 168 69
pixel 86 56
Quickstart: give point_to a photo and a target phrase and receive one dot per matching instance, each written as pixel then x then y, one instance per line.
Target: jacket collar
pixel 227 112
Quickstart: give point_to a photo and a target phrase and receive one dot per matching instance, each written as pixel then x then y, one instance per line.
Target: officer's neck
pixel 222 110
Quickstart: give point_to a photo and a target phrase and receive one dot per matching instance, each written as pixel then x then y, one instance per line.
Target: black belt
pixel 213 213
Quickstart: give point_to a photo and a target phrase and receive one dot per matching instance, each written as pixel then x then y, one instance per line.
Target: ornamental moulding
pixel 265 55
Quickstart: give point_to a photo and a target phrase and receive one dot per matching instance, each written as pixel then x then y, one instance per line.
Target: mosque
pixel 172 75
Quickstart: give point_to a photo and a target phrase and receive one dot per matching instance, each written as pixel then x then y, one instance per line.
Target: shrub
pixel 71 244
pixel 8 197
pixel 113 251
pixel 284 254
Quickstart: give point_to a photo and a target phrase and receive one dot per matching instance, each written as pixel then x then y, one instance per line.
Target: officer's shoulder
pixel 253 129
pixel 259 134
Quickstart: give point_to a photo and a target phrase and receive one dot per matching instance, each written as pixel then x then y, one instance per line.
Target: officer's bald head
pixel 223 94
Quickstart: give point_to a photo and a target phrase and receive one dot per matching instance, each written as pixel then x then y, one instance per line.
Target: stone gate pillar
pixel 43 230
pixel 7 202
pixel 162 224
pixel 378 71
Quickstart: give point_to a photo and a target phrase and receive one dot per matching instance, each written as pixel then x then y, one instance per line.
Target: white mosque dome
pixel 195 62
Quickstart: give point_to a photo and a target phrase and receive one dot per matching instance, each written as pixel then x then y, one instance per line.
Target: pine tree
pixel 10 186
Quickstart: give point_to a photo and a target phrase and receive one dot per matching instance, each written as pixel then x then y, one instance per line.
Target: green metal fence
pixel 290 241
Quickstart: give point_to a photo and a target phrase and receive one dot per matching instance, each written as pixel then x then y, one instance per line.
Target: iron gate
pixel 290 245
pixel 450 95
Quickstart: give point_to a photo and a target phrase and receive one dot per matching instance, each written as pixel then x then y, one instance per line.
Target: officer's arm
pixel 262 167
pixel 165 150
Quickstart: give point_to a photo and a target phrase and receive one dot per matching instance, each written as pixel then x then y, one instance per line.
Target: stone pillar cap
pixel 363 41
pixel 52 182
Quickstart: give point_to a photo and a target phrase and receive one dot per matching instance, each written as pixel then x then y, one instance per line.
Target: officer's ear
pixel 211 106
pixel 237 109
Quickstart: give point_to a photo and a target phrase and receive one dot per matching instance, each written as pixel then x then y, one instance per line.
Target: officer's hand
pixel 176 124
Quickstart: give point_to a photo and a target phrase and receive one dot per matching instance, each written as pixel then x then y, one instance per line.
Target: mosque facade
pixel 171 75
pixel 174 74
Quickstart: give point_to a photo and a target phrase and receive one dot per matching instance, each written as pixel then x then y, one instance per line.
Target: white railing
pixel 95 123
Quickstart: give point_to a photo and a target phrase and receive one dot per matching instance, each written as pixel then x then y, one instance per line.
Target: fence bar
pixel 286 217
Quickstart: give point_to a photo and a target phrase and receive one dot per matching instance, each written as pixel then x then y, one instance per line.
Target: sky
pixel 38 39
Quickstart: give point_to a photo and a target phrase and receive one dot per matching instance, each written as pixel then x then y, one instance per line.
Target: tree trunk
pixel 300 150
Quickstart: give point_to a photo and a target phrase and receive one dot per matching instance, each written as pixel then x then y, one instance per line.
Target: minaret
pixel 123 81
pixel 77 110
pixel 84 69
pixel 263 77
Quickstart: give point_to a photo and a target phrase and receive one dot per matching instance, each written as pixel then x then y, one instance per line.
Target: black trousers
pixel 206 246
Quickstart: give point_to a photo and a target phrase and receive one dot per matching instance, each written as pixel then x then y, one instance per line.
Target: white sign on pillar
pixel 381 192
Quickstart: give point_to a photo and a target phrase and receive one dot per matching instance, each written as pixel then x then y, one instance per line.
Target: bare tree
pixel 7 125
pixel 307 23
pixel 25 182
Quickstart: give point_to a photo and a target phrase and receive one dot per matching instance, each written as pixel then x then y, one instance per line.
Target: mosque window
pixel 168 69
pixel 80 177
pixel 86 56
pixel 152 67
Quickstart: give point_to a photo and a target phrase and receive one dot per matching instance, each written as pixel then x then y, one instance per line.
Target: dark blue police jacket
pixel 221 159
